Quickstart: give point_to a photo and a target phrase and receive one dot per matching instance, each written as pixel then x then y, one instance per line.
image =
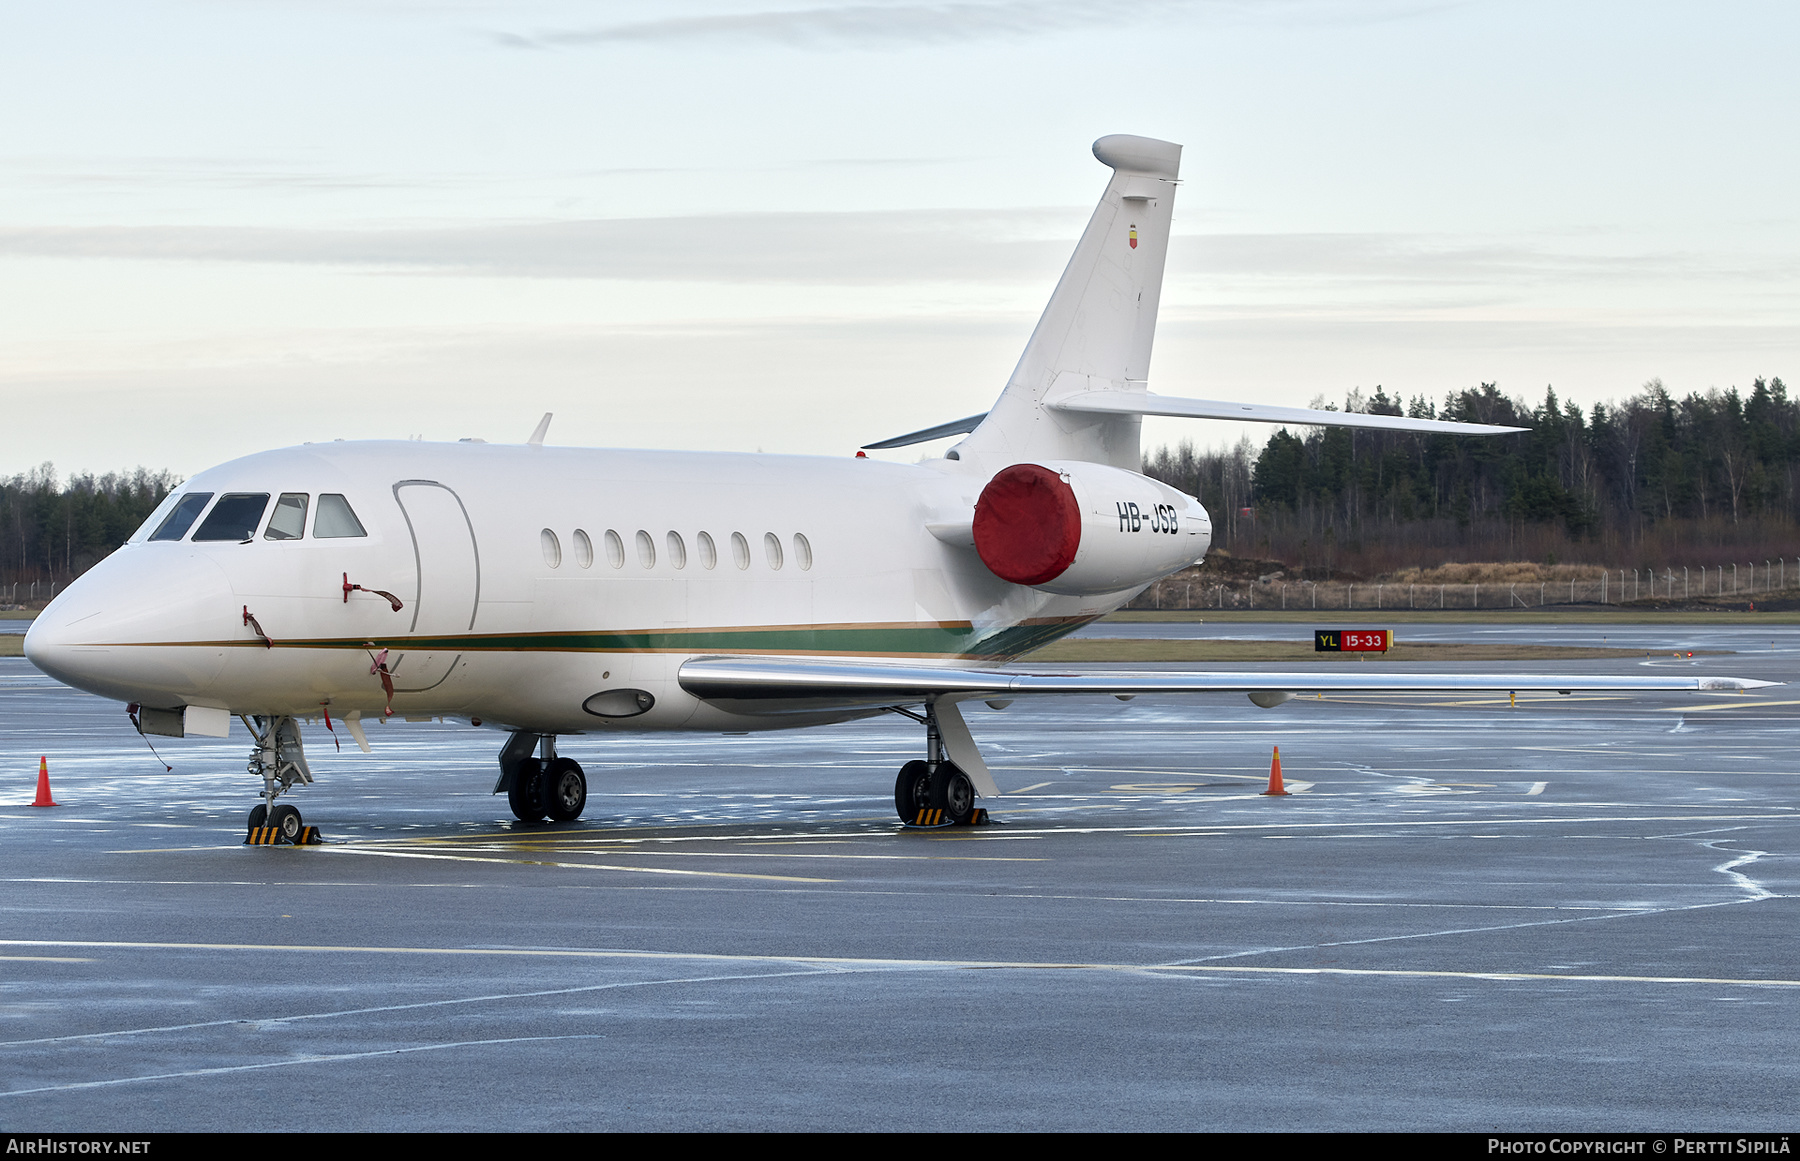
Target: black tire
pixel 912 791
pixel 258 813
pixel 564 790
pixel 525 795
pixel 955 792
pixel 286 819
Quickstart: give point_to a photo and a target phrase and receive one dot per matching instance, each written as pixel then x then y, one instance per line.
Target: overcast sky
pixel 798 228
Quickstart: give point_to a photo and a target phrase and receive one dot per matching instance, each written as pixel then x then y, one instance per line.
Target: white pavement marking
pixel 446 1003
pixel 288 1062
pixel 856 963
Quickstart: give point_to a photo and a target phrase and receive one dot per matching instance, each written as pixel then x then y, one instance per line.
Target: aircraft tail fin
pixel 1096 332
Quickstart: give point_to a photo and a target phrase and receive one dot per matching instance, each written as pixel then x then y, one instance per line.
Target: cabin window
pixel 552 548
pixel 646 549
pixel 677 550
pixel 802 552
pixel 709 555
pixel 740 550
pixel 289 521
pixel 176 525
pixel 615 549
pixel 584 549
pixel 335 520
pixel 772 549
pixel 234 517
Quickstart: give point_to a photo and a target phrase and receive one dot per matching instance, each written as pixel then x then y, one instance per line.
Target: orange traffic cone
pixel 43 798
pixel 1275 788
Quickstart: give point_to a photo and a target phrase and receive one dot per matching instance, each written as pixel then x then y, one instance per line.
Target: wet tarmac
pixel 1575 913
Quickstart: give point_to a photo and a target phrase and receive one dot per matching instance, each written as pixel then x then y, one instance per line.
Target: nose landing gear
pixel 280 761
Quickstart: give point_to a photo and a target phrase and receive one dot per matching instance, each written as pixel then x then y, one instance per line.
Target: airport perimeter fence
pixel 1615 587
pixel 25 594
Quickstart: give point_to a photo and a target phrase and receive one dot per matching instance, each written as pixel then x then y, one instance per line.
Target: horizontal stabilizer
pixel 1145 403
pixel 954 427
pixel 875 682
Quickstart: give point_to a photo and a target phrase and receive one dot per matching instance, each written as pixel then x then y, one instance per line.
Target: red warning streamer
pixel 350 588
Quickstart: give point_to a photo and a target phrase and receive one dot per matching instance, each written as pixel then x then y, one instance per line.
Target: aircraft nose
pixel 135 627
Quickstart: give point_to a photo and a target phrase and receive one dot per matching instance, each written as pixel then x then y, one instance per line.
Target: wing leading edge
pixel 783 681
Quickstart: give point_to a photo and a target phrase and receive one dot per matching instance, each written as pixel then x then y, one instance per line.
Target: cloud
pixel 867 26
pixel 898 26
pixel 1016 248
pixel 873 248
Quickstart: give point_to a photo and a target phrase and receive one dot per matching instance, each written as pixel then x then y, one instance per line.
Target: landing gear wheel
pixel 526 796
pixel 286 819
pixel 258 815
pixel 912 791
pixel 564 790
pixel 953 790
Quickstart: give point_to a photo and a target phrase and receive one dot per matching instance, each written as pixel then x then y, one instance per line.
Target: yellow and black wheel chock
pixel 931 818
pixel 269 836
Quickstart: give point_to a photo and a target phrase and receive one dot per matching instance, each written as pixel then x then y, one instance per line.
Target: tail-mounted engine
pixel 1082 529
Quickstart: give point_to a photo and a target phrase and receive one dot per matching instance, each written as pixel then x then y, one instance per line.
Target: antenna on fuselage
pixel 537 437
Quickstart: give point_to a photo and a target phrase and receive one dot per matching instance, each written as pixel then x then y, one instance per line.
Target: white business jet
pixel 549 591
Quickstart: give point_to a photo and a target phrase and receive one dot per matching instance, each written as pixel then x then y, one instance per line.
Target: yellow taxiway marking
pixel 553 848
pixel 1292 786
pixel 656 847
pixel 1725 705
pixel 881 964
pixel 359 850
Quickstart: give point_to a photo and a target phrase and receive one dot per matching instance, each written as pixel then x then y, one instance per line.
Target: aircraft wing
pixel 781 682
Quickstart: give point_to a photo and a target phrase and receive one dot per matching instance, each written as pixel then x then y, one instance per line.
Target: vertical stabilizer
pixel 1097 331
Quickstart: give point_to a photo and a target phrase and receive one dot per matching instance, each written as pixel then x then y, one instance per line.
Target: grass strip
pixel 1092 649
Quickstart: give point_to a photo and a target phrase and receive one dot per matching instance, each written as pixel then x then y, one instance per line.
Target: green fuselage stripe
pixel 928 640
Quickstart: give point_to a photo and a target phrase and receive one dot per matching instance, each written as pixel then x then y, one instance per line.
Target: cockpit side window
pixel 335 519
pixel 234 517
pixel 177 523
pixel 289 521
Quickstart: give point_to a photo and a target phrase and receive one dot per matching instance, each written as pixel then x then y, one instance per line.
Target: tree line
pixel 1710 478
pixel 51 531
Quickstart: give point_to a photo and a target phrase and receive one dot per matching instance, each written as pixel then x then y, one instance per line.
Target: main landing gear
pixel 540 787
pixel 280 761
pixel 935 792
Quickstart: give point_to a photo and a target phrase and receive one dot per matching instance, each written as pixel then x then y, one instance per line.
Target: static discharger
pixel 1352 640
pixel 1275 790
pixel 43 794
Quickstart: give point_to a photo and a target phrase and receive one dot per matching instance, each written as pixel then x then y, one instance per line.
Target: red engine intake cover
pixel 1027 525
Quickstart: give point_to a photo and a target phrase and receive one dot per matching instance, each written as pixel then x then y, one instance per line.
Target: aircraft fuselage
pixel 548 588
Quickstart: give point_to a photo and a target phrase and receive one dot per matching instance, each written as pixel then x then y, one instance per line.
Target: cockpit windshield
pixel 234 517
pixel 177 523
